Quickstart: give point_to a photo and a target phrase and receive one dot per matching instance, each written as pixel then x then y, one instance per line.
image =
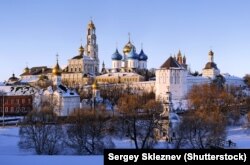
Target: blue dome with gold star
pixel 142 56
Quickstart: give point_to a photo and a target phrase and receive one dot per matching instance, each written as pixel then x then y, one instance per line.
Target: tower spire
pixel 57 57
pixel 128 36
pixel 103 64
pixel 81 49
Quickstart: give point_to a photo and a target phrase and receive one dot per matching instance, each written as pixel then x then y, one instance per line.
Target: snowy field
pixel 11 155
pixel 50 160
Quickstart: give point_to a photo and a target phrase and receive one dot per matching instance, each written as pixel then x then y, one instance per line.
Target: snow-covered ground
pixel 239 135
pixel 50 160
pixel 11 155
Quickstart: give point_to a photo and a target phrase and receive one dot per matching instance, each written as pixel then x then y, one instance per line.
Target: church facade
pixel 86 64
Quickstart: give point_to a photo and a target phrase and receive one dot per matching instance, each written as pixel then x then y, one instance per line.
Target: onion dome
pixel 116 55
pixel 13 78
pixel 91 25
pixel 95 85
pixel 211 65
pixel 127 48
pixel 26 70
pixel 132 54
pixel 142 56
pixel 57 71
pixel 81 50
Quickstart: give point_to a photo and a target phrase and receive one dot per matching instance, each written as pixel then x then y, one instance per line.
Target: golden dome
pixel 81 50
pixel 26 70
pixel 127 48
pixel 95 85
pixel 57 70
pixel 91 25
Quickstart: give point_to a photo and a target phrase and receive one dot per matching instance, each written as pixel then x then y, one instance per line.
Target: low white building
pixel 210 69
pixel 64 100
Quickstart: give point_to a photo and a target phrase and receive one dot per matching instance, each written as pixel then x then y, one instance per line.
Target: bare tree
pixel 139 119
pixel 87 132
pixel 112 93
pixel 205 123
pixel 41 133
pixel 202 130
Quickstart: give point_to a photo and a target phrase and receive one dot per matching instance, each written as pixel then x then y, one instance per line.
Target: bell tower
pixel 92 47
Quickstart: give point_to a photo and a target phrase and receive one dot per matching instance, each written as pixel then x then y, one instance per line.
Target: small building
pixel 211 70
pixel 15 105
pixel 16 100
pixel 63 100
pixel 33 75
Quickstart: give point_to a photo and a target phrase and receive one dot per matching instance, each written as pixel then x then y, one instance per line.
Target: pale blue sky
pixel 33 31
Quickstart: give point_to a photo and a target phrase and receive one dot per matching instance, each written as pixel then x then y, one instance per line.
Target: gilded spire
pixel 26 69
pixel 179 53
pixel 179 57
pixel 81 50
pixel 91 25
